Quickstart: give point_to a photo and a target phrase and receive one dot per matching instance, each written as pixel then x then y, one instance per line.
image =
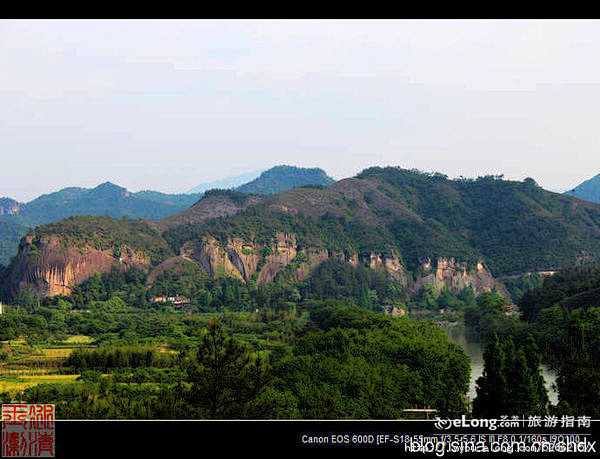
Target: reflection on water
pixel 474 349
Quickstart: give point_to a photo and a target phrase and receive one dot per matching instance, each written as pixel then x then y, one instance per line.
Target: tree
pixel 491 385
pixel 227 376
pixel 428 298
pixel 8 330
pixel 522 393
pixel 533 357
pixel 490 302
pixel 579 376
pixel 364 296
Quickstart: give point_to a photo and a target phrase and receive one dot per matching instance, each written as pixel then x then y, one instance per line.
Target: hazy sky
pixel 167 105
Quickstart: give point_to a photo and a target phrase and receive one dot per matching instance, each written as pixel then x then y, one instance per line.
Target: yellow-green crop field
pixel 21 382
pixel 29 365
pixel 79 339
pixel 52 353
pixel 24 364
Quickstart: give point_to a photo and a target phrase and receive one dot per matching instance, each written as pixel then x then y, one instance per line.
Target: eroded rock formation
pixel 457 276
pixel 246 260
pixel 49 268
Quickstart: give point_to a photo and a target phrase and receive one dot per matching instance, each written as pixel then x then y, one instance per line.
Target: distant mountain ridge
pixel 588 190
pixel 105 199
pixel 281 178
pixel 269 181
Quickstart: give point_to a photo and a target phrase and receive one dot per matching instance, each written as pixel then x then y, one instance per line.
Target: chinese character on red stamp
pixel 28 430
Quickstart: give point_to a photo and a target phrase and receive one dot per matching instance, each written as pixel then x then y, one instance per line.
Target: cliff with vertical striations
pixel 53 259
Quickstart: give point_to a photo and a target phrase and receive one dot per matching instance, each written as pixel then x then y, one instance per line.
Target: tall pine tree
pixel 522 392
pixel 491 385
pixel 534 358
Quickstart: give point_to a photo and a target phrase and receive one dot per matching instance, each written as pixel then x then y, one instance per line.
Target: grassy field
pixel 20 382
pixel 27 365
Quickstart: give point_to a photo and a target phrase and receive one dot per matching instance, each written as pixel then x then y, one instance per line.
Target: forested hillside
pixel 420 228
pixel 514 227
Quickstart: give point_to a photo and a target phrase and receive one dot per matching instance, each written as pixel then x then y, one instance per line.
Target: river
pixel 474 349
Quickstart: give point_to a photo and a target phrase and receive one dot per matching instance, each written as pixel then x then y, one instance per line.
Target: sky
pixel 166 105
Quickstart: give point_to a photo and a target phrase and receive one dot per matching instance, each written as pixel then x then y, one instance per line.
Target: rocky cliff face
pixel 211 256
pixel 456 276
pixel 390 262
pixel 49 268
pixel 246 260
pixel 284 250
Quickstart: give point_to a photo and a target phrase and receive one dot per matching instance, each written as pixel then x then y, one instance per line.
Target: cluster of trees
pixel 564 316
pixel 570 288
pixel 368 288
pixel 512 382
pixel 481 315
pixel 129 286
pixel 120 290
pixel 333 279
pixel 106 358
pixel 428 299
pixel 519 285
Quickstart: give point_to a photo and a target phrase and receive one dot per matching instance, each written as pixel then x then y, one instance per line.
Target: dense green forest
pixel 292 353
pixel 515 226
